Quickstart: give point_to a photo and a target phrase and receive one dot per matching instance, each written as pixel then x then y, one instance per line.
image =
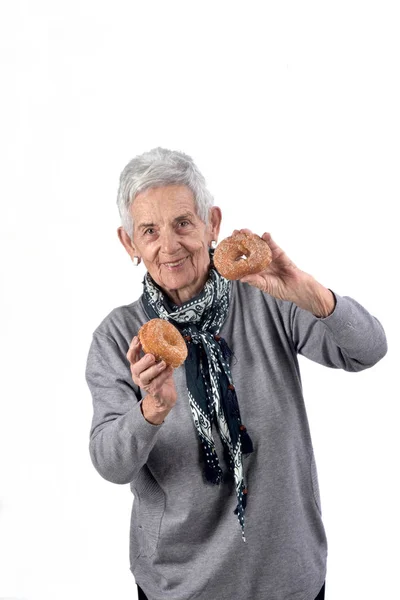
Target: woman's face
pixel 172 240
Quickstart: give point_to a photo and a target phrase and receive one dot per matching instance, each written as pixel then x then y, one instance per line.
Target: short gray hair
pixel 156 168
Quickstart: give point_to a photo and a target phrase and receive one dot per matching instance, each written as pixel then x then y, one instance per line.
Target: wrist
pixel 317 299
pixel 153 415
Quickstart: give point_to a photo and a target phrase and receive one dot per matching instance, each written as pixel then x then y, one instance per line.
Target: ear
pixel 127 242
pixel 214 222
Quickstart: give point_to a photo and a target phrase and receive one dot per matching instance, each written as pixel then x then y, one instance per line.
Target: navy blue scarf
pixel 211 392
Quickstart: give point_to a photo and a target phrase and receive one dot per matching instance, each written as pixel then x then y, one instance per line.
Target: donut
pixel 161 338
pixel 242 254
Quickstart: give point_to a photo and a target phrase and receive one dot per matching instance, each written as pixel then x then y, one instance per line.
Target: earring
pixel 213 244
pixel 136 260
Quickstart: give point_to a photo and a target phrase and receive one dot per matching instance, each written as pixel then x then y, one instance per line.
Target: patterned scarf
pixel 211 393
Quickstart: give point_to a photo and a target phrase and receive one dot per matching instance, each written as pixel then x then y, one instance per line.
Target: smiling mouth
pixel 175 264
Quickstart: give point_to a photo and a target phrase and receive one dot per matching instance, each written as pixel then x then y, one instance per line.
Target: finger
pixel 142 364
pixel 133 354
pixel 148 375
pixel 273 245
pixel 266 236
pixel 156 385
pixel 248 231
pixel 235 231
pixel 254 280
pixel 248 279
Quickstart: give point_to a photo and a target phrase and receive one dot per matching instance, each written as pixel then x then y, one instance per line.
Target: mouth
pixel 172 266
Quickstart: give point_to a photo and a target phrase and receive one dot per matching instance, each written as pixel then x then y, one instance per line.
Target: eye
pixel 150 229
pixel 184 222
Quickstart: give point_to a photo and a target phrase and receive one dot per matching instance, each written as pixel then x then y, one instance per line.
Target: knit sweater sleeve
pixel 350 338
pixel 120 437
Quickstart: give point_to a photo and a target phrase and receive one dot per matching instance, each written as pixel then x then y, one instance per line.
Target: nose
pixel 169 242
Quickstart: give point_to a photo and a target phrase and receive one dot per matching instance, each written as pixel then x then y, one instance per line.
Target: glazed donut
pixel 228 256
pixel 161 338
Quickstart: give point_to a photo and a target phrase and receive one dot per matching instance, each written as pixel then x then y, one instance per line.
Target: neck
pixel 178 297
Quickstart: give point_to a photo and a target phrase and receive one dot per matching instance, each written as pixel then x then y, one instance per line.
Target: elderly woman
pixel 217 452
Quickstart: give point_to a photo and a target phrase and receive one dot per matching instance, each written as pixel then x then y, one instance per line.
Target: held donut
pixel 242 254
pixel 161 338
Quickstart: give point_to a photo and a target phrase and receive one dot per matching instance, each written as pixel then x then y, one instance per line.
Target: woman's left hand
pixel 285 281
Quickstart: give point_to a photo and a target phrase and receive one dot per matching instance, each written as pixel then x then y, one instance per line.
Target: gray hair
pixel 156 168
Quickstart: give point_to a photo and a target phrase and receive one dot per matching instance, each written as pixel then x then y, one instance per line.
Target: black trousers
pixel 321 595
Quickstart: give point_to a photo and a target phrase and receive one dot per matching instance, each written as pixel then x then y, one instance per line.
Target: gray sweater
pixel 185 541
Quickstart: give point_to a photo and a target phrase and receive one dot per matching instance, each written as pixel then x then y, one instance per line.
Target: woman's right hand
pixel 156 379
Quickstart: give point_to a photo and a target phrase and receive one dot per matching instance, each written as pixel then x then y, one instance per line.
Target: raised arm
pixel 350 338
pixel 330 329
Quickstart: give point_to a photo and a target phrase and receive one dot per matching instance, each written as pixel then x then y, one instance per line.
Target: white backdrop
pixel 291 111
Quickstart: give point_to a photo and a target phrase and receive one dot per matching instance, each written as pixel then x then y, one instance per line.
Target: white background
pixel 291 111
